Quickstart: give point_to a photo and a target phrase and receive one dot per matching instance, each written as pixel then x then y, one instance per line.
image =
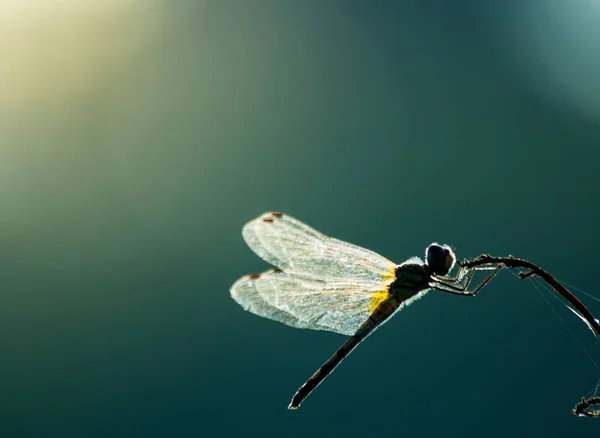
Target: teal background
pixel 139 137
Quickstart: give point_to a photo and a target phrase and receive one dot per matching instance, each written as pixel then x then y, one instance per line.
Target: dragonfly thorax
pixel 439 259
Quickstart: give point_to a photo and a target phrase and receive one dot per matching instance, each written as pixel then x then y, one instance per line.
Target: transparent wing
pixel 245 293
pixel 296 248
pixel 322 283
pixel 340 306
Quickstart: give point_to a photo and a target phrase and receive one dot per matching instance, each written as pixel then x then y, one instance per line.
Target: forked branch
pixel 583 408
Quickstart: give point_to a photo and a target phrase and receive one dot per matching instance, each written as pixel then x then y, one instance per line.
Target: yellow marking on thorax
pixel 383 295
pixel 378 298
pixel 390 276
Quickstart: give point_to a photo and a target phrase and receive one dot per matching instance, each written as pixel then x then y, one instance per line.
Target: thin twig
pixel 582 408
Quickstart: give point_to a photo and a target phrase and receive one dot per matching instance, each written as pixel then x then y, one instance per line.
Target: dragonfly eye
pixel 440 258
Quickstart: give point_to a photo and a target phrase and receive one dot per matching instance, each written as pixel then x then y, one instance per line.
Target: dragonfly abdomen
pixel 385 309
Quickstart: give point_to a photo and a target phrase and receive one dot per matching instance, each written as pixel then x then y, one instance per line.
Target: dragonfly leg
pixel 528 274
pixel 460 282
pixel 485 282
pixel 462 288
pixel 464 271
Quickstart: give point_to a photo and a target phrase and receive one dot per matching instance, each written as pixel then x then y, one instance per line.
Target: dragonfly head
pixel 439 259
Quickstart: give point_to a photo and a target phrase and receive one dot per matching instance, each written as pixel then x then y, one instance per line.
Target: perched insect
pixel 322 283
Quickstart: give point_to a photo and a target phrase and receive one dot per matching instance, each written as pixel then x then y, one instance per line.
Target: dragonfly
pixel 322 283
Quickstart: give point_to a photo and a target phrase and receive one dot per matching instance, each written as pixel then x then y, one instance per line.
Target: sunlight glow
pixel 53 52
pixel 555 45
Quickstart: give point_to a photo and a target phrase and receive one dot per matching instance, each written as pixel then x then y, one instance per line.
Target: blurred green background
pixel 137 137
